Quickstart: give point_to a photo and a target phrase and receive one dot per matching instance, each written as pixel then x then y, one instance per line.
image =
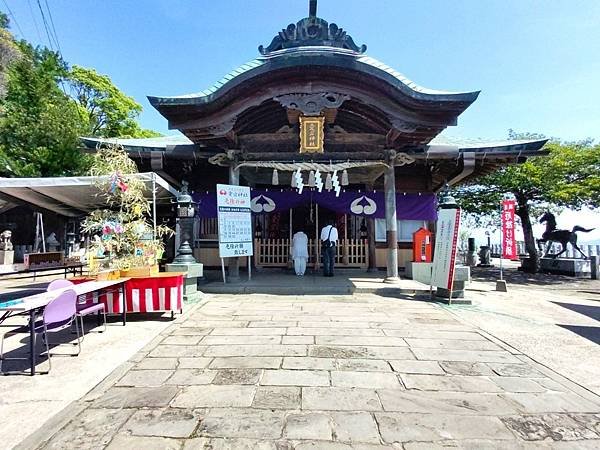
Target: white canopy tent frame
pixel 75 196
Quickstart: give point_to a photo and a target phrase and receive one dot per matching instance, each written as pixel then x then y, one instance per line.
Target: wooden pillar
pixel 371 240
pixel 391 224
pixel 345 259
pixel 317 239
pixel 234 263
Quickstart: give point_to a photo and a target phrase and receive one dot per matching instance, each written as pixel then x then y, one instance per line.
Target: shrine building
pixel 319 130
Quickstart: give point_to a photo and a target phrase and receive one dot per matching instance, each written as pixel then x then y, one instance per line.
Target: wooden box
pixel 48 259
pixel 105 275
pixel 141 271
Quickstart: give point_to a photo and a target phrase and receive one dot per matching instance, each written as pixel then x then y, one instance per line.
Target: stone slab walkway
pixel 282 282
pixel 333 373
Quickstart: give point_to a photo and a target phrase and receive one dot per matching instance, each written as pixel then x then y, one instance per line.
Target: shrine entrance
pixel 274 232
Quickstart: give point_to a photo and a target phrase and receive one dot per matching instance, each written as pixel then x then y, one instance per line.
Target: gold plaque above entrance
pixel 311 134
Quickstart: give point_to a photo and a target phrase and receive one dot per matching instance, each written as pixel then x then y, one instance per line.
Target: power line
pixel 13 18
pixel 48 35
pixel 37 30
pixel 53 29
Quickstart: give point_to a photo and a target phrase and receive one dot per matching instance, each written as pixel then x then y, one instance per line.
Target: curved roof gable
pixel 315 59
pixel 298 57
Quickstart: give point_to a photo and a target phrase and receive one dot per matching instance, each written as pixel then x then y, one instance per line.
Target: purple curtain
pixel 366 204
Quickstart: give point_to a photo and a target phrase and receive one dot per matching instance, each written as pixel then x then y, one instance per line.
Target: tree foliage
pixel 105 110
pixel 40 123
pixel 567 177
pixel 9 51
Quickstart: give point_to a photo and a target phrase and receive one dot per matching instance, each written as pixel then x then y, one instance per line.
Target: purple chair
pixel 58 315
pixel 59 284
pixel 83 309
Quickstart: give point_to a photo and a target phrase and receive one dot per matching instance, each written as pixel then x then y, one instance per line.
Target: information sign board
pixel 235 221
pixel 444 256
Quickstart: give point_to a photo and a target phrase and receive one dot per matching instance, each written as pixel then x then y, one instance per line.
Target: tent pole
pixel 43 236
pixel 36 244
pixel 154 205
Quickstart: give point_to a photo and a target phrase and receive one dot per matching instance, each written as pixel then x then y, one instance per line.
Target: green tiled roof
pixel 293 56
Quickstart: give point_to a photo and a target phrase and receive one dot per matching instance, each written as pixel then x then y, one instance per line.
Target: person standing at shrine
pixel 329 238
pixel 300 252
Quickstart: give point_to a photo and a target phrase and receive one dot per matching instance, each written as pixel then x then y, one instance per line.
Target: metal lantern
pixel 186 211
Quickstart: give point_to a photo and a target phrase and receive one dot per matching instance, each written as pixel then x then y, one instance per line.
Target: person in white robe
pixel 300 252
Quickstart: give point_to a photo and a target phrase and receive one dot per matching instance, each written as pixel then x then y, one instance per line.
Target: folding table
pixel 37 302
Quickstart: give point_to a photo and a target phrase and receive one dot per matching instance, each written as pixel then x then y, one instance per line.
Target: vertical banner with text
pixel 509 243
pixel 444 256
pixel 235 221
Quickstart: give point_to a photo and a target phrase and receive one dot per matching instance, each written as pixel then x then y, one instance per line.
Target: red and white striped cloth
pixel 154 294
pixel 164 293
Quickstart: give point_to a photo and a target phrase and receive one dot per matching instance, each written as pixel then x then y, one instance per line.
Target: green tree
pixel 9 51
pixel 39 124
pixel 105 110
pixel 568 177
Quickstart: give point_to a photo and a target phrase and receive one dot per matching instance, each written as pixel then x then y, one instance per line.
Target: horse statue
pixel 563 236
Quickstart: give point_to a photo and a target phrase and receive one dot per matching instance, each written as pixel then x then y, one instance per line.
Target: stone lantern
pixel 186 211
pixel 184 260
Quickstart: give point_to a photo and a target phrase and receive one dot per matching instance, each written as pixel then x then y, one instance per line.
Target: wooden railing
pixel 277 253
pixel 209 228
pixel 271 252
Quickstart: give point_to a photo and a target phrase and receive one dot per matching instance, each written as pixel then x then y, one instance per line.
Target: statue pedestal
pixel 462 275
pixel 579 268
pixel 7 256
pixel 418 271
pixel 194 271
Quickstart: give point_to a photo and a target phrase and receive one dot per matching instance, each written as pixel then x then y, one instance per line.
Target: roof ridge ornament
pixel 312 31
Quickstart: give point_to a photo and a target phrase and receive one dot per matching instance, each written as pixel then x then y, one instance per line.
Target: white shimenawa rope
pixel 307 166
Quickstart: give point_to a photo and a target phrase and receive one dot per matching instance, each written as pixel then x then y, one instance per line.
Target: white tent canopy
pixel 73 196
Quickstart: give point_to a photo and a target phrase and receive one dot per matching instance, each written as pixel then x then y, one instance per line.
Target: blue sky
pixel 536 62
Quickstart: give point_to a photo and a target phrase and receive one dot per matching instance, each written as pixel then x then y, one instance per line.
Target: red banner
pixel 509 243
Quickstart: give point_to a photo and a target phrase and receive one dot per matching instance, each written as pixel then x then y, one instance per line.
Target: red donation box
pixel 422 248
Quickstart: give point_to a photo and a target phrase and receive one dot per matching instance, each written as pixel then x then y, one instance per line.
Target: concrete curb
pixel 279 290
pixel 49 428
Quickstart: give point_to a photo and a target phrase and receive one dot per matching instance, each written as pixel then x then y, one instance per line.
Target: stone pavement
pixel 283 281
pixel 333 373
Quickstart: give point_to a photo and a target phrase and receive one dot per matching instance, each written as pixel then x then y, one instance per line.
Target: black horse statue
pixel 563 236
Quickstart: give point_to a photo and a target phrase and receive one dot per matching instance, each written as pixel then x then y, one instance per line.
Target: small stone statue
pixel 7 254
pixel 5 243
pixel 52 242
pixel 484 256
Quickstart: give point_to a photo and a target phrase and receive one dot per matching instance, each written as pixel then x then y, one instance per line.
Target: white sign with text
pixel 444 256
pixel 235 221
